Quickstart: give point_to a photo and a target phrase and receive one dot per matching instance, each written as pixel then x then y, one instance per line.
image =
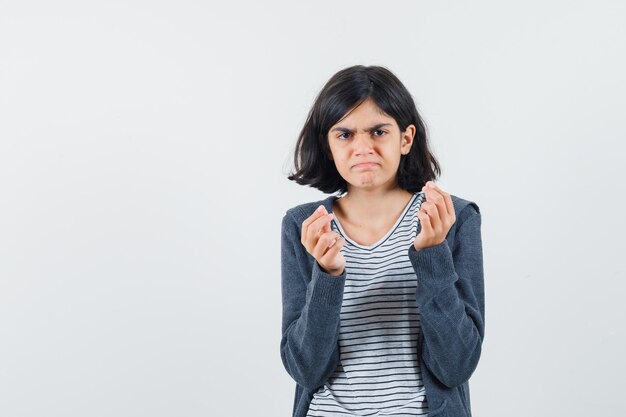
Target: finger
pixel 333 250
pixel 427 228
pixel 306 224
pixel 433 214
pixel 325 243
pixel 320 211
pixel 326 227
pixel 316 226
pixel 322 223
pixel 435 197
pixel 334 241
pixel 449 206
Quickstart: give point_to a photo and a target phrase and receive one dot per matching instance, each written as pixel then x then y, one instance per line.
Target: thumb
pixel 326 227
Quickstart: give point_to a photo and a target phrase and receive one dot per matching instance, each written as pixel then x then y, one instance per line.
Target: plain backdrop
pixel 144 150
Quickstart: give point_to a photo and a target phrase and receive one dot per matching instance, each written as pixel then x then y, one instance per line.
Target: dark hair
pixel 345 90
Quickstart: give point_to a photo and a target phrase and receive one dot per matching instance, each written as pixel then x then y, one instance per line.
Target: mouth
pixel 365 165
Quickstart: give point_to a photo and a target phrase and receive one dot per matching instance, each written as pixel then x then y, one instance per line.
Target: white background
pixel 144 149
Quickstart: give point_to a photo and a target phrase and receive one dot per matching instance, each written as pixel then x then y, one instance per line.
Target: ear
pixel 407 139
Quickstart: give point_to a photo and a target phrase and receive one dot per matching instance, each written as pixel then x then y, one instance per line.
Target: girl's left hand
pixel 436 217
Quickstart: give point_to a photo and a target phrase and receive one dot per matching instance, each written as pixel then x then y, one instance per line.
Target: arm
pixel 312 302
pixel 450 294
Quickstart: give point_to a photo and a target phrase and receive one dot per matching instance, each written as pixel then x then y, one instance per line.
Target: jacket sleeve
pixel 450 295
pixel 311 306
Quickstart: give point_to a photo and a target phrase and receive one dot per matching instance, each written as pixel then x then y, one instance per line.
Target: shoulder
pixel 464 208
pixel 467 213
pixel 300 212
pixel 295 215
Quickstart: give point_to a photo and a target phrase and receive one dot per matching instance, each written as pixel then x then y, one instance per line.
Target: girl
pixel 382 287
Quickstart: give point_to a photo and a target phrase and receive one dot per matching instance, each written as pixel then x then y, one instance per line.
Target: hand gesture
pixel 323 243
pixel 436 217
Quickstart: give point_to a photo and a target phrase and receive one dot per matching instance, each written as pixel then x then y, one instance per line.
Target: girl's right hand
pixel 323 243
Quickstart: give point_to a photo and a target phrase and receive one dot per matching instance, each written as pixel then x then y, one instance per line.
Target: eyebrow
pixel 346 130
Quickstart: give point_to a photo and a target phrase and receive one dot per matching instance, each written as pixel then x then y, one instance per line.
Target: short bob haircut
pixel 345 90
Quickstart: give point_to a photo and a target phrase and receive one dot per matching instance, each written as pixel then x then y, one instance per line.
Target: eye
pixel 341 136
pixel 382 132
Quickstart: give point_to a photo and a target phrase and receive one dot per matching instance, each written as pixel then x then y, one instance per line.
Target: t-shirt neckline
pixel 381 240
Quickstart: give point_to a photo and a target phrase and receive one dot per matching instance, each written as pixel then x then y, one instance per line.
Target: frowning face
pixel 366 146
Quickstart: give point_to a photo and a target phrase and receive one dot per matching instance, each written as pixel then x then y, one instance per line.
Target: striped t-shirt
pixel 379 370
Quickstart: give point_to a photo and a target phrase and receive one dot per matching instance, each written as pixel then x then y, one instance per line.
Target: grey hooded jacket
pixel 450 295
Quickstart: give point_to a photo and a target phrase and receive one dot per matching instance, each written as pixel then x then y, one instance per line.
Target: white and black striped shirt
pixel 379 370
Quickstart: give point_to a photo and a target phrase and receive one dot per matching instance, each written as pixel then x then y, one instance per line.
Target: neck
pixel 374 205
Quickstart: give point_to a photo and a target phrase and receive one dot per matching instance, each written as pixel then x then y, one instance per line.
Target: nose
pixel 362 143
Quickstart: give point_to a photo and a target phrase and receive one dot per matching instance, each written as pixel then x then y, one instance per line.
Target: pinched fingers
pixel 327 246
pixel 432 213
pixel 426 226
pixel 441 198
pixel 436 216
pixel 313 226
pixel 333 261
pixel 320 211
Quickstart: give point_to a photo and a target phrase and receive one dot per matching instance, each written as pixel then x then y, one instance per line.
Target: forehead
pixel 365 113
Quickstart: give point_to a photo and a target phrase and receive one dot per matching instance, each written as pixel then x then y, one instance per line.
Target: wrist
pixel 333 272
pixel 336 273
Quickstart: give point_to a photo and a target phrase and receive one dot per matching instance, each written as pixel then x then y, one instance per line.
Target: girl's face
pixel 367 135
